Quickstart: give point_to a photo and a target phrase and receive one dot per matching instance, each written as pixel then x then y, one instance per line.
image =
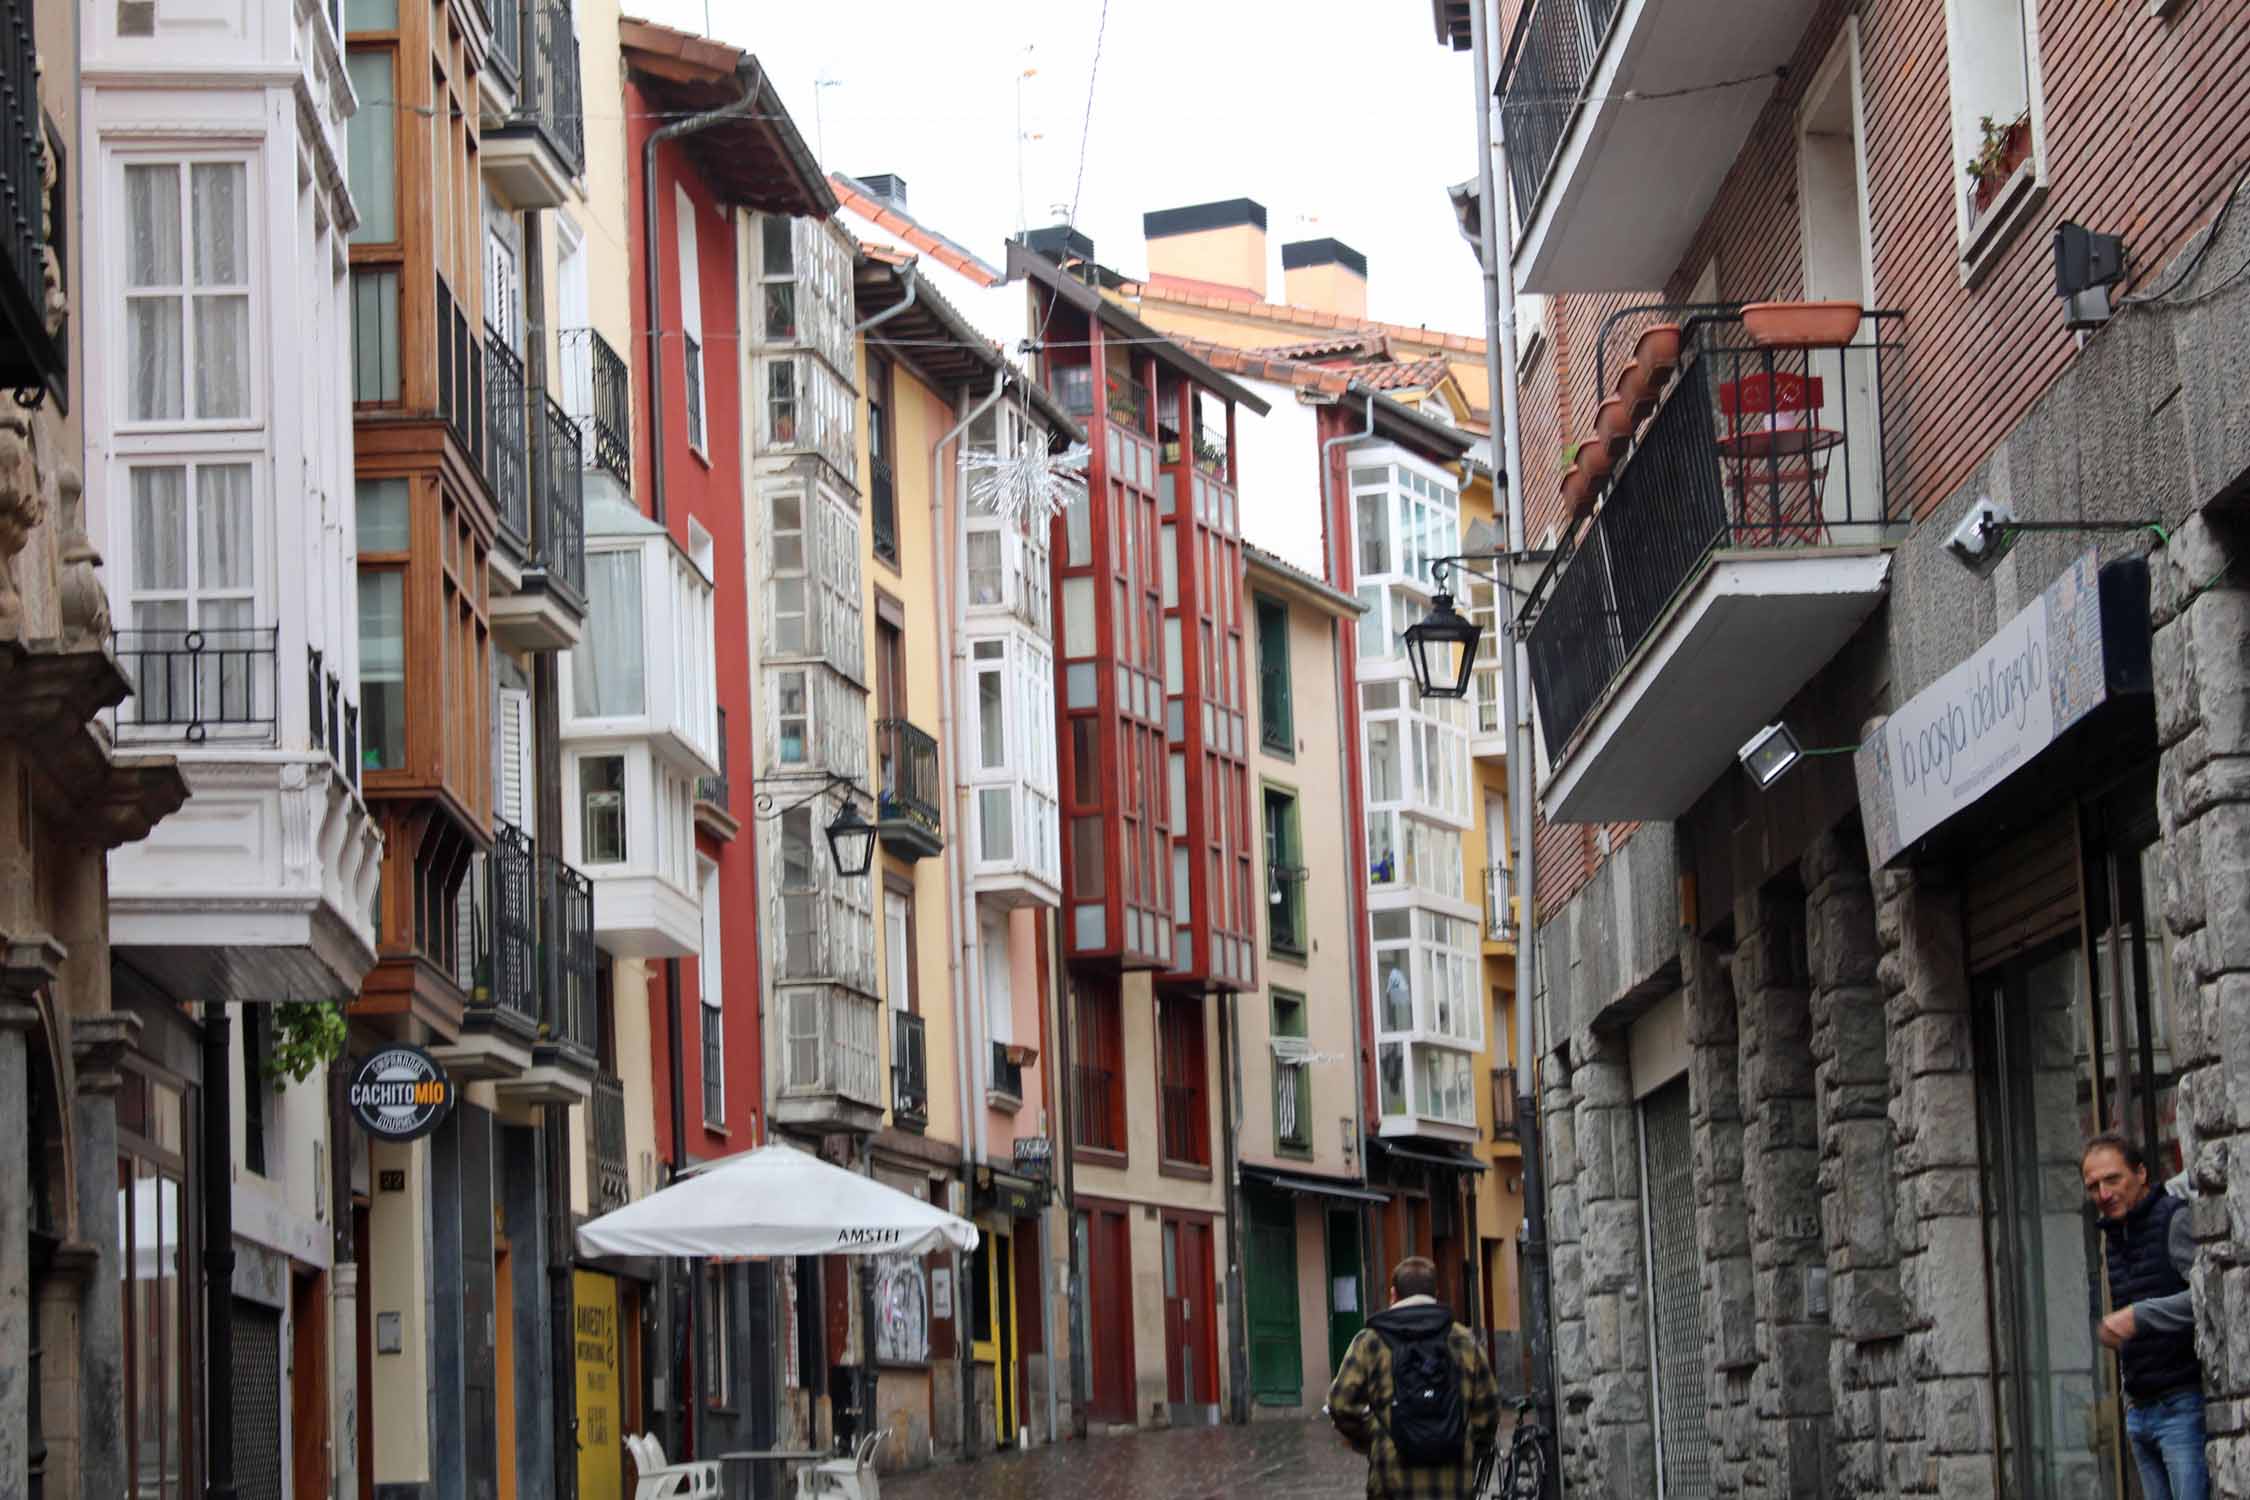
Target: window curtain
pixel 606 671
pixel 219 192
pixel 154 357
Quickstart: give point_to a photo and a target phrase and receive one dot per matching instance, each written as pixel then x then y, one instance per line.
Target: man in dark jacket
pixel 1359 1402
pixel 2150 1252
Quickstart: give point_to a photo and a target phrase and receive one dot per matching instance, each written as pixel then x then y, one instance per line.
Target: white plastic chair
pixel 662 1481
pixel 842 1478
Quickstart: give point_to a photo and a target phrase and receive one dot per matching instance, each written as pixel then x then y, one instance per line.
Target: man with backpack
pixel 1416 1395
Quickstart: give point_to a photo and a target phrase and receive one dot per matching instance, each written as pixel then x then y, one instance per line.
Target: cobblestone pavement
pixel 1277 1460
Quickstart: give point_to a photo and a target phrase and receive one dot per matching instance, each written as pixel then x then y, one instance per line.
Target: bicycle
pixel 1525 1475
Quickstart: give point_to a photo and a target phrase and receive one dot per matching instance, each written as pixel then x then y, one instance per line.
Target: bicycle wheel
pixel 1527 1468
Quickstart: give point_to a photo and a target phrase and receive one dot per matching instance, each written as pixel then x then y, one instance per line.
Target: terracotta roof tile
pixel 1373 344
pixel 1304 317
pixel 854 196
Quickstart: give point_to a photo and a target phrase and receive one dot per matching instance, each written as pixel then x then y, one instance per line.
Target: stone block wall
pixel 2200 607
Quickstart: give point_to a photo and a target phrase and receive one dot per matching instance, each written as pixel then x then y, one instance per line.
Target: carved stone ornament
pixel 85 603
pixel 23 509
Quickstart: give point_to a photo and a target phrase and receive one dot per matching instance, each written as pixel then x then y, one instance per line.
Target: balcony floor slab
pixel 1741 641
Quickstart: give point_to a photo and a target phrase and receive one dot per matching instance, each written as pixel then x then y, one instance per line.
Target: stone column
pixel 98 1044
pixel 1852 1094
pixel 1722 1209
pixel 1780 1160
pixel 1557 1108
pixel 1612 1272
pixel 2200 607
pixel 1938 1420
pixel 16 1395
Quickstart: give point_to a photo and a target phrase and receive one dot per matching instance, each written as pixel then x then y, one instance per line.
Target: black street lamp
pixel 1442 647
pixel 851 841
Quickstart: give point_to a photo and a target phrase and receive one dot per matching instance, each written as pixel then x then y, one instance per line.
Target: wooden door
pixel 1190 1344
pixel 1347 1293
pixel 504 1365
pixel 1277 1364
pixel 1106 1253
pixel 364 1375
pixel 308 1385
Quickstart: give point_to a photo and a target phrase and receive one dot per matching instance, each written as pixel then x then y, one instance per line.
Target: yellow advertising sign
pixel 601 1443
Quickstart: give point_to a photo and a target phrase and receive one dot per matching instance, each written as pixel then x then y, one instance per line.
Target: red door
pixel 1191 1365
pixel 1105 1252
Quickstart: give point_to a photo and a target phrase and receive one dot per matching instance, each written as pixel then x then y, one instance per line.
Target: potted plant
pixel 1634 390
pixel 1801 325
pixel 1658 352
pixel 2002 149
pixel 1594 457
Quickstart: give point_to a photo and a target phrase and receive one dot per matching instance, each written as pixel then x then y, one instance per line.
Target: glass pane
pixel 995 824
pixel 152 218
pixel 223 549
pixel 601 793
pixel 160 528
pixel 992 725
pixel 382 670
pixel 1078 616
pixel 1086 867
pixel 153 359
pixel 606 671
pixel 774 235
pixel 797 872
pixel 1078 535
pixel 1382 761
pixel 383 514
pixel 375 371
pixel 372 147
pixel 369 15
pixel 216 195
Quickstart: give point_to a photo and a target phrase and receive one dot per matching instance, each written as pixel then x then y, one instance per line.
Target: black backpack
pixel 1428 1423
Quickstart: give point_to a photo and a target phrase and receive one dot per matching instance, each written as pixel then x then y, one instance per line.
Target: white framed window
pixel 503 282
pixel 1998 124
pixel 601 803
pixel 199 655
pixel 792 718
pixel 190 358
pixel 608 667
pixel 691 315
pixel 898 951
pixel 788 586
pixel 710 982
pixel 999 989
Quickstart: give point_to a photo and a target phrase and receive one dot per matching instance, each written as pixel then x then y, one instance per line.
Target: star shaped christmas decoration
pixel 1029 485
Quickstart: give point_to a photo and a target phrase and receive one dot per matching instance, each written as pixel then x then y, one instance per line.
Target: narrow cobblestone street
pixel 1284 1460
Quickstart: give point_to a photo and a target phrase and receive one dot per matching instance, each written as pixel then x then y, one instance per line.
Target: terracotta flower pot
pixel 1800 325
pixel 1577 491
pixel 1658 352
pixel 1634 390
pixel 1613 424
pixel 1596 459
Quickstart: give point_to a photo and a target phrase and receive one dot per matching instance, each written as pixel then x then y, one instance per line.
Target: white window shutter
pixel 512 777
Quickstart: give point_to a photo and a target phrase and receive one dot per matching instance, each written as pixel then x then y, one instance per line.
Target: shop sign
pixel 601 1470
pixel 1968 731
pixel 400 1093
pixel 1034 1155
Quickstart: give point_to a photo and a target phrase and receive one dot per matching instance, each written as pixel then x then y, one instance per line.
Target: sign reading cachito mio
pixel 400 1093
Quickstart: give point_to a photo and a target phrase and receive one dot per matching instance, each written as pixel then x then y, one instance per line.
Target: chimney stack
pixel 1218 247
pixel 887 186
pixel 1325 275
pixel 1060 243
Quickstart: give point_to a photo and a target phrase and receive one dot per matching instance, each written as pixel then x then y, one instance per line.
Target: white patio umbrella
pixel 775 1200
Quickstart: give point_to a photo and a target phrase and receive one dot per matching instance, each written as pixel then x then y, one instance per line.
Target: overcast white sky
pixel 1342 117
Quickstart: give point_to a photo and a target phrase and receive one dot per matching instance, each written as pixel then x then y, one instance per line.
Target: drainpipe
pixel 913 290
pixel 961 934
pixel 1494 233
pixel 1349 776
pixel 652 286
pixel 1238 1322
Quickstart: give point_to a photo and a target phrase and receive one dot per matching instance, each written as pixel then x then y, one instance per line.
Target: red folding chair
pixel 1774 457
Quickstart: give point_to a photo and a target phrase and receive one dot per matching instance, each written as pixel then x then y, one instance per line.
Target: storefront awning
pixel 1321 1187
pixel 1430 1155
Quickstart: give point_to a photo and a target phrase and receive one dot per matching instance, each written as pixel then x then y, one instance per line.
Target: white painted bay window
pixel 1998 134
pixel 1008 761
pixel 189 354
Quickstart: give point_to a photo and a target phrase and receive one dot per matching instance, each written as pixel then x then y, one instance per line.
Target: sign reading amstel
pixel 400 1093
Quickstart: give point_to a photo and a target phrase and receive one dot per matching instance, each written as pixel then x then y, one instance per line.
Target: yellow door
pixel 993 1327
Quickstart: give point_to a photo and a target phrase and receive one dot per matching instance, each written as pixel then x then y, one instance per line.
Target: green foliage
pixel 307 1036
pixel 1990 164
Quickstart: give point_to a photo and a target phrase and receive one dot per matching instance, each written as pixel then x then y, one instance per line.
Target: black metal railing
pixel 1285 907
pixel 351 742
pixel 1181 1105
pixel 1007 1074
pixel 1751 448
pixel 715 791
pixel 461 388
pixel 612 1185
pixel 1499 908
pixel 509 468
pixel 1129 405
pixel 332 721
pixel 882 507
pixel 558 492
pixel 1504 1115
pixel 191 684
pixel 513 869
pixel 910 1070
pixel 547 85
pixel 600 394
pixel 1550 57
pixel 910 786
pixel 1277 729
pixel 566 934
pixel 30 354
pixel 1092 1088
pixel 692 361
pixel 1292 1104
pixel 507 35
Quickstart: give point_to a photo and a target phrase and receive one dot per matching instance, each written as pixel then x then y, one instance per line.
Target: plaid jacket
pixel 1359 1403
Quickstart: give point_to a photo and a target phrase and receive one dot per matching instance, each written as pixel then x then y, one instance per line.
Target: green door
pixel 1347 1296
pixel 1277 1362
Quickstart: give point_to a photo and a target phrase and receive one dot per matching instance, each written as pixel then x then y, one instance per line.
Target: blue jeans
pixel 2167 1437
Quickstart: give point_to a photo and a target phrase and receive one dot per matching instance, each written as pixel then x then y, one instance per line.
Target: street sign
pixel 400 1093
pixel 1035 1154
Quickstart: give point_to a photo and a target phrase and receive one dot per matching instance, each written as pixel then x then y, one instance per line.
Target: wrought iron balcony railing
pixel 535 42
pixel 193 686
pixel 1499 909
pixel 1181 1140
pixel 496 948
pixel 1751 448
pixel 509 468
pixel 612 1185
pixel 1007 1073
pixel 1550 57
pixel 30 355
pixel 910 786
pixel 882 507
pixel 566 935
pixel 910 1071
pixel 333 720
pixel 716 791
pixel 1093 1089
pixel 558 499
pixel 461 382
pixel 598 391
pixel 1504 1113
